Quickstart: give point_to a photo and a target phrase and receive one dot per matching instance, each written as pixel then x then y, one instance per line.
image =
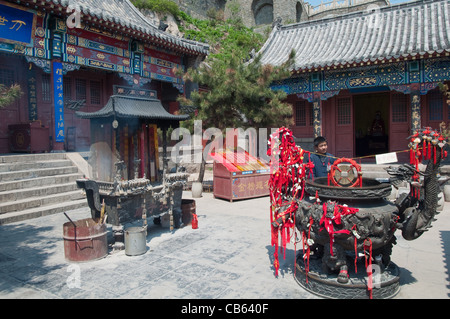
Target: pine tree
pixel 238 95
pixel 9 94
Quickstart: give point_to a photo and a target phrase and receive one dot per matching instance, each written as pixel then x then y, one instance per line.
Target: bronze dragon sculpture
pixel 418 208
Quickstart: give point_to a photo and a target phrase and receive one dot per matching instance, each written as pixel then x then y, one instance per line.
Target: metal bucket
pixel 187 210
pixel 135 241
pixel 84 240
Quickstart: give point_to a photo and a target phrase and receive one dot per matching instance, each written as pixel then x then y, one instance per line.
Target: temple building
pixel 365 80
pixel 73 56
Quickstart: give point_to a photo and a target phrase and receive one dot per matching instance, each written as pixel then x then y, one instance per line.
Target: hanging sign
pixel 59 101
pixel 17 25
pixel 386 158
pixel 32 97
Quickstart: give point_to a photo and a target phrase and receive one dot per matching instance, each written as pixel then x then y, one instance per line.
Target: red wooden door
pixel 399 126
pixel 344 139
pixel 10 114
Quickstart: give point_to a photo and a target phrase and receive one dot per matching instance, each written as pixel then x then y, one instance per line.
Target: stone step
pixel 35 185
pixel 36 212
pixel 33 173
pixel 22 166
pixel 26 193
pixel 31 158
pixel 39 182
pixel 33 202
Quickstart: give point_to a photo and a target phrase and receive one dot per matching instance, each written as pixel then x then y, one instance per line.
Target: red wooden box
pixel 29 137
pixel 234 180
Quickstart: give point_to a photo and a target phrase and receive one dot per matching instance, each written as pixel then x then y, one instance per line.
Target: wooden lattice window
pixel 67 88
pixel 435 106
pixel 344 114
pixel 80 89
pixel 6 77
pixel 304 114
pixel 46 88
pixel 95 92
pixel 399 108
pixel 300 113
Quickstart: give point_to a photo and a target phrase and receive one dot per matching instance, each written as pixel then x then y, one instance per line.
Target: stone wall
pixel 199 8
pixel 264 12
pixel 334 9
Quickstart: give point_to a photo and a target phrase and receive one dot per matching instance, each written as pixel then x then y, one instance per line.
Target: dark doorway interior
pixel 371 124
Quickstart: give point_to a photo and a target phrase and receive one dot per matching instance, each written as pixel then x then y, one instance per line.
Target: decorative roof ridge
pixel 139 13
pixel 140 23
pixel 361 13
pixel 162 33
pixel 134 97
pixel 407 32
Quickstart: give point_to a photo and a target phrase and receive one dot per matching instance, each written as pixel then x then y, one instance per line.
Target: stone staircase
pixel 37 185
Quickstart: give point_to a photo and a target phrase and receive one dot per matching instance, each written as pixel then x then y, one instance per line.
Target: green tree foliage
pixel 160 6
pixel 9 94
pixel 238 93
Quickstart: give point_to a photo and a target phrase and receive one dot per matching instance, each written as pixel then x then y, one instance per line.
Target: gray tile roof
pixel 124 13
pixel 399 31
pixel 133 107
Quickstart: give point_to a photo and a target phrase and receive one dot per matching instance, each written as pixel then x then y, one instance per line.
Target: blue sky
pixel 317 2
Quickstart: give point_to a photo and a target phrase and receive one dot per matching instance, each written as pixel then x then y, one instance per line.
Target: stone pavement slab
pixel 228 257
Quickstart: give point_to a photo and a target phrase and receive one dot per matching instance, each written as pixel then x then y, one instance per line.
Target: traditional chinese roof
pixel 120 15
pixel 403 31
pixel 133 107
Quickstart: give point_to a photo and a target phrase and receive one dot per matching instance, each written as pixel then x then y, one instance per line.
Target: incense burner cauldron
pixel 344 230
pixel 135 199
pixel 348 226
pixel 353 214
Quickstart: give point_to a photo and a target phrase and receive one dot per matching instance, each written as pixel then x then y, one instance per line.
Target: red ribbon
pixel 369 265
pixel 329 222
pixel 286 179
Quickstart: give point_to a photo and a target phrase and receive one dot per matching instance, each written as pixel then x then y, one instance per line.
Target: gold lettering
pixel 3 20
pixel 17 23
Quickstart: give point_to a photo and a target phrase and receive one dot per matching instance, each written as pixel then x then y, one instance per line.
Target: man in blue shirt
pixel 321 159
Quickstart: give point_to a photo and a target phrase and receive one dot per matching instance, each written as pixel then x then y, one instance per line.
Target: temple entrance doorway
pixel 371 114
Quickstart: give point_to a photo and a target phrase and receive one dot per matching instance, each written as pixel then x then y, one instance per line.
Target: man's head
pixel 320 145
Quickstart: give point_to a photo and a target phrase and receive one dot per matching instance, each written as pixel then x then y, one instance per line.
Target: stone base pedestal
pixel 385 283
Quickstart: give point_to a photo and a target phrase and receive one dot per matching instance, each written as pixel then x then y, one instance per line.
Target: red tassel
pixel 429 150
pixel 425 150
pixel 369 265
pixel 356 251
pixel 434 154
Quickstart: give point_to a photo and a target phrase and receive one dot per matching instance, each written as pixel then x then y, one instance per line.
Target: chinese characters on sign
pixel 249 187
pixel 59 101
pixel 16 25
pixel 32 99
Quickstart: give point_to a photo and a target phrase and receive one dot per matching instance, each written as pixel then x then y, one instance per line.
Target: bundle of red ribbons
pixel 286 183
pixel 423 146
